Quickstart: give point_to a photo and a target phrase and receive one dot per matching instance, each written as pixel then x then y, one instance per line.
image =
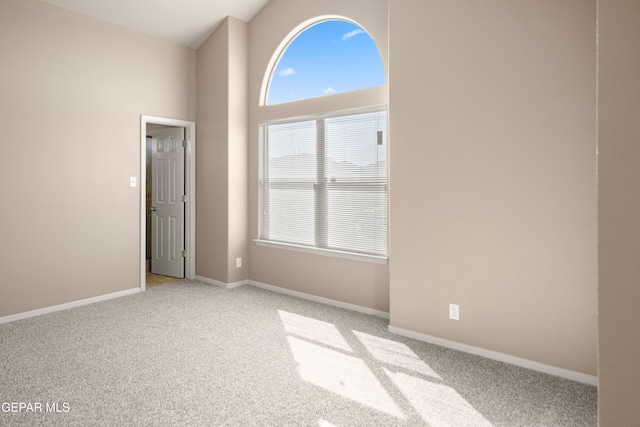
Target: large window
pixel 323 159
pixel 324 182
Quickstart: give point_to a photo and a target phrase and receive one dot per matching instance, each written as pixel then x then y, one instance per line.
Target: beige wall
pixel 492 140
pixel 238 151
pixel 73 89
pixel 221 212
pixel 619 211
pixel 493 178
pixel 353 282
pixel 212 155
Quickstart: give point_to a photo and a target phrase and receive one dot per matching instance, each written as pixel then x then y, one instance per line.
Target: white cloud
pixel 329 91
pixel 286 72
pixel 352 34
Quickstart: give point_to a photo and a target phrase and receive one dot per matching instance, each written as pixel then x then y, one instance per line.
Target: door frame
pixel 190 190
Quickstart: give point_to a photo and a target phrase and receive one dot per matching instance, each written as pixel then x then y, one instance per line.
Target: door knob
pixel 153 208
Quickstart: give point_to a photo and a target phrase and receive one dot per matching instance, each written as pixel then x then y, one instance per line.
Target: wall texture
pixel 353 282
pixel 73 89
pixel 221 218
pixel 238 151
pixel 492 148
pixel 493 175
pixel 212 154
pixel 619 211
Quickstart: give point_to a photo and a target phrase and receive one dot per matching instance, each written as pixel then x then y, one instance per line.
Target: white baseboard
pixel 66 306
pixel 297 294
pixel 489 354
pixel 322 300
pixel 221 284
pixel 501 357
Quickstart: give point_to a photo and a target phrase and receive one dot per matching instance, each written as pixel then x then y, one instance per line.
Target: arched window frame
pixel 272 65
pixel 344 103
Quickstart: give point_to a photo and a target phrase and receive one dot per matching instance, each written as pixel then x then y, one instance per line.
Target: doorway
pixel 147 125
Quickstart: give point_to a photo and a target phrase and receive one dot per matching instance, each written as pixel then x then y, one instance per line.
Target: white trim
pixel 282 47
pixel 190 189
pixel 66 306
pixel 328 115
pixel 221 284
pixel 321 300
pixel 274 61
pixel 375 259
pixel 501 357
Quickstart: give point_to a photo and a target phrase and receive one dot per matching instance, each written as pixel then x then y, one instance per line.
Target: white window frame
pixel 377 259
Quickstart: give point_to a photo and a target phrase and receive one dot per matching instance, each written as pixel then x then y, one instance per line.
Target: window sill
pixel 375 259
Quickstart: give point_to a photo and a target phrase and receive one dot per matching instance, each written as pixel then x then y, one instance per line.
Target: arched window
pixel 323 175
pixel 331 56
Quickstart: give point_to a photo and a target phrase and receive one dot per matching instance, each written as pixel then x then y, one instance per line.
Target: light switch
pixel 133 181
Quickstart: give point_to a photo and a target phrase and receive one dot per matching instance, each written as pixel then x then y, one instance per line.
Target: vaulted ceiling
pixel 188 22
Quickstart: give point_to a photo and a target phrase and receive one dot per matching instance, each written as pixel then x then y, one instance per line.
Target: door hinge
pixel 184 254
pixel 184 143
pixel 185 198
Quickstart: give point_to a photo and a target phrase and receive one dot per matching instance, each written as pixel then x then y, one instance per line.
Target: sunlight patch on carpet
pixel 314 330
pixel 342 374
pixel 437 404
pixel 395 353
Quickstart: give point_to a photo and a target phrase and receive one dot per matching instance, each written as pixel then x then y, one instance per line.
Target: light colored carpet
pixel 187 353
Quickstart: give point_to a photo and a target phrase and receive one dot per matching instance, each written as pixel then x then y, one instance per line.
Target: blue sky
pixel 329 57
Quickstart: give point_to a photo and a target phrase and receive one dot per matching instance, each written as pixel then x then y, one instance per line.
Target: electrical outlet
pixel 454 311
pixel 238 262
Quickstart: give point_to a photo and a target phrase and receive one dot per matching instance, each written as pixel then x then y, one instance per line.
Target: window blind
pixel 324 182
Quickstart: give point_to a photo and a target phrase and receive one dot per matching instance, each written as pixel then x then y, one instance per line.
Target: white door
pixel 167 202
